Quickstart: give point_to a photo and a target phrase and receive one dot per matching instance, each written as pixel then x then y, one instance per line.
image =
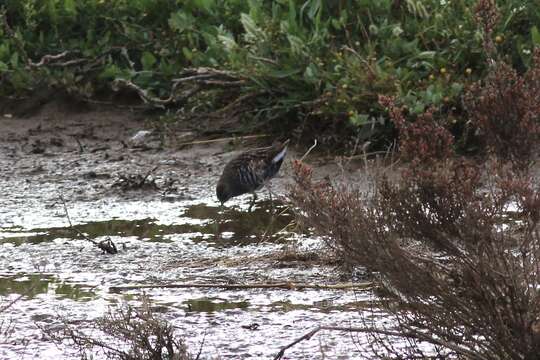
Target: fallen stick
pixel 285 285
pixel 310 334
pixel 309 150
pixel 197 142
pixel 406 333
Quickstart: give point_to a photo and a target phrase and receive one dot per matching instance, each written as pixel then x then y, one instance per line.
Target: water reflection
pixel 31 285
pixel 214 304
pixel 219 226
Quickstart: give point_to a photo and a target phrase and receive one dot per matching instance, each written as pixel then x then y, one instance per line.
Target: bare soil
pixel 89 152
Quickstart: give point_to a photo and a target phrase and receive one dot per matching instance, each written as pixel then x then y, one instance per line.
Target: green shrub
pixel 316 62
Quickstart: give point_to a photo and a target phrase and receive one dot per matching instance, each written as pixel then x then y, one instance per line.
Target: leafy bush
pixel 312 64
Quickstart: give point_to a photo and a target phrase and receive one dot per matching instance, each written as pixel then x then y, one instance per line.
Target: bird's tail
pixel 281 154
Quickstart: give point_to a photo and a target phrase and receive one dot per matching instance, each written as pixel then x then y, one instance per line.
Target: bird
pixel 250 171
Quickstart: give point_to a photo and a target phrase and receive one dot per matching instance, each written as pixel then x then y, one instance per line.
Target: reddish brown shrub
pixel 462 276
pixel 487 15
pixel 456 245
pixel 505 107
pixel 422 141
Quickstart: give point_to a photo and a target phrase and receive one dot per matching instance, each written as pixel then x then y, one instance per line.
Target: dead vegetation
pixel 127 182
pixel 147 181
pixel 124 333
pixel 455 244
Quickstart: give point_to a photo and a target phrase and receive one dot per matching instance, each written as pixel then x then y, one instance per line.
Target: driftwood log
pixel 283 285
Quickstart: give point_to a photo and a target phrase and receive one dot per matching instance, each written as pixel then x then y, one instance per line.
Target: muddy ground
pixel 166 230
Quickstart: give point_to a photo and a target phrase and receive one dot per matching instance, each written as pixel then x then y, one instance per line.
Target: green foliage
pixel 327 59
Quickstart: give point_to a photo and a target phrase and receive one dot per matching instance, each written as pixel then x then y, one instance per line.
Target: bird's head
pixel 223 193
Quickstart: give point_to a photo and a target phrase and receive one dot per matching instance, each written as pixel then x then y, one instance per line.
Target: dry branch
pixel 309 150
pixel 12 302
pixel 123 333
pixel 143 94
pixel 310 334
pixel 285 285
pixel 247 137
pixel 48 58
pixel 198 79
pixel 136 181
pixel 238 101
pixel 413 334
pixel 106 245
pixel 210 71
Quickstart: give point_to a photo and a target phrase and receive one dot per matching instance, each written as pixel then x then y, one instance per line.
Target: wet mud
pixel 171 231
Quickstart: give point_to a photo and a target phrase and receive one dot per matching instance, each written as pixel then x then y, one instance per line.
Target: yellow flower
pixel 499 39
pixel 431 77
pixel 468 71
pixel 443 71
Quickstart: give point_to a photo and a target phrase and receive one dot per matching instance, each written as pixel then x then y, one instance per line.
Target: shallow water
pixel 58 273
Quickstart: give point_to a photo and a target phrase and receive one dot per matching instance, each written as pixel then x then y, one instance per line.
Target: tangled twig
pixel 137 181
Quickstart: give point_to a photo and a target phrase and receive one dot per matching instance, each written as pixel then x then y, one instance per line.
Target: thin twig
pixel 309 150
pixel 10 304
pixel 199 76
pixel 143 180
pixel 81 147
pixel 212 71
pixel 197 142
pixel 48 58
pixel 143 94
pixel 262 59
pixel 106 245
pixel 368 65
pixel 201 347
pixel 238 101
pixel 410 334
pixel 310 334
pixel 69 62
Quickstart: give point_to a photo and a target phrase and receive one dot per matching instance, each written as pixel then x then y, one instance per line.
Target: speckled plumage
pixel 250 171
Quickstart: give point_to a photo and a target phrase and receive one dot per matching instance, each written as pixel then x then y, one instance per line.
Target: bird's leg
pixel 219 221
pixel 271 200
pixel 272 213
pixel 252 202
